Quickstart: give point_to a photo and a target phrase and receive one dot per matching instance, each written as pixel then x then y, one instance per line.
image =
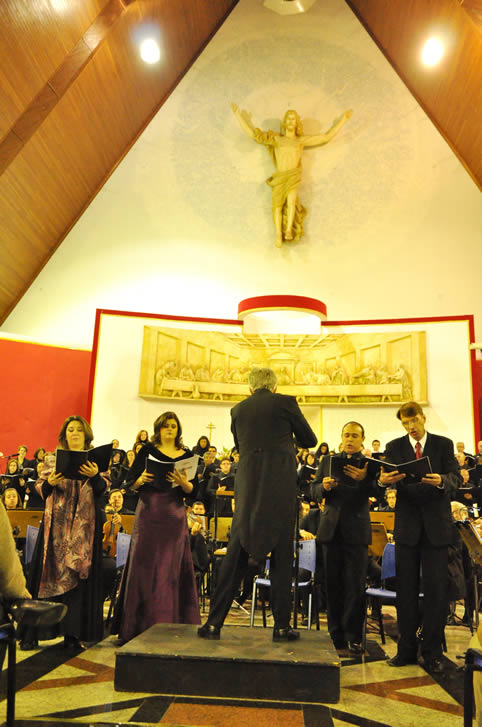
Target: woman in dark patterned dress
pixel 67 562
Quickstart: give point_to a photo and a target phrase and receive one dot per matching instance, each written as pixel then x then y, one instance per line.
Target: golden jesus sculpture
pixel 286 149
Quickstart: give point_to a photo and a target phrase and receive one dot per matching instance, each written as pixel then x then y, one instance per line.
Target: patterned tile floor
pixel 55 686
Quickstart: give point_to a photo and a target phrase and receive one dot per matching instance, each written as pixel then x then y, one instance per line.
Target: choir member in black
pixel 345 532
pixel 423 532
pixel 201 446
pixel 306 475
pixel 221 482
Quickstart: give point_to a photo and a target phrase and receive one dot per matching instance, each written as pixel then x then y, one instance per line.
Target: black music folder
pixel 68 461
pixel 337 464
pixel 160 470
pixel 413 470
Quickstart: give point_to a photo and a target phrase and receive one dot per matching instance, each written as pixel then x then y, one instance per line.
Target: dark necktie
pixel 418 450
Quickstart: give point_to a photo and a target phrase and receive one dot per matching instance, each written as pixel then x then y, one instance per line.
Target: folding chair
pixel 122 551
pixel 307 561
pixel 30 542
pixel 380 594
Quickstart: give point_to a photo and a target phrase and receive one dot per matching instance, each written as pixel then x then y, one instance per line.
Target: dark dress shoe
pixel 287 634
pixel 434 666
pixel 72 642
pixel 340 645
pixel 355 648
pixel 208 631
pixel 398 660
pixel 28 645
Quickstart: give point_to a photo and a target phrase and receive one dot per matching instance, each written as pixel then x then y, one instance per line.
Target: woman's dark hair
pixel 325 446
pixel 198 449
pixel 89 434
pixel 139 438
pixel 40 449
pixel 160 422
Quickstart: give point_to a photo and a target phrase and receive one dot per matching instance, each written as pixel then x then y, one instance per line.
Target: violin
pixel 110 531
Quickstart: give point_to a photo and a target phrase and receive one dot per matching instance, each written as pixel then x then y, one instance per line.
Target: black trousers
pixel 345 573
pixel 434 585
pixel 235 567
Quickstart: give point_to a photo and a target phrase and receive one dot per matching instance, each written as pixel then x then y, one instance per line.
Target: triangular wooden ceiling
pixel 74 97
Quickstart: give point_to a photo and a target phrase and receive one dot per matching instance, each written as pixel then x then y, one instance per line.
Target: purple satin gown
pixel 158 584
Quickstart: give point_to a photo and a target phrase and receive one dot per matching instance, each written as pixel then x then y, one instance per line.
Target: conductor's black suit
pixel 265 495
pixel 423 532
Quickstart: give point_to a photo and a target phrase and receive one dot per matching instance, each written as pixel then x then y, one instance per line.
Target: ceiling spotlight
pixel 150 51
pixel 289 7
pixel 432 52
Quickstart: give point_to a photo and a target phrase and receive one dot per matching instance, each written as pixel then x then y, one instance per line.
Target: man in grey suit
pixel 423 532
pixel 265 493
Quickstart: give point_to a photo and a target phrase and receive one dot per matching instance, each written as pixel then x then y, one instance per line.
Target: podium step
pixel 243 664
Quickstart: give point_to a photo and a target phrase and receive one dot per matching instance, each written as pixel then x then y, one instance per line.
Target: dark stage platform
pixel 244 664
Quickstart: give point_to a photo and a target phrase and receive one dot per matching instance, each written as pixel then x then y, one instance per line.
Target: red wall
pixel 40 386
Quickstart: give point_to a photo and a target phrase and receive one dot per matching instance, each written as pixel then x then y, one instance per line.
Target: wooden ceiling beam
pixel 449 93
pixel 53 90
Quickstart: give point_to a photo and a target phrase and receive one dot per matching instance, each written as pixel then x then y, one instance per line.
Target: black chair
pixel 473 662
pixel 25 613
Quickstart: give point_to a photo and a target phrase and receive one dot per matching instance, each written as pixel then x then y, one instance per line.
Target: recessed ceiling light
pixel 289 7
pixel 433 51
pixel 150 51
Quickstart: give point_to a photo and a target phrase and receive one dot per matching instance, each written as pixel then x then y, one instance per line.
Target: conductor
pixel 265 492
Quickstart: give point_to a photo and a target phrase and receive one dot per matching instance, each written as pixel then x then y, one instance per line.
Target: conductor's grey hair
pixel 262 378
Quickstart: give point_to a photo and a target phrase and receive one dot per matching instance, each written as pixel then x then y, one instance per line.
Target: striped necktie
pixel 418 450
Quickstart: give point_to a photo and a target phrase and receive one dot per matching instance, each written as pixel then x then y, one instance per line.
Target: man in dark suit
pixel 263 427
pixel 423 532
pixel 345 532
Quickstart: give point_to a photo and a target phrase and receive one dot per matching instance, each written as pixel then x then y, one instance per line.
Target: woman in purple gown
pixel 158 584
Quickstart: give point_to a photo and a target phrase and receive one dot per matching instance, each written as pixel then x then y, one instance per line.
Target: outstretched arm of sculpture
pixel 318 139
pixel 244 118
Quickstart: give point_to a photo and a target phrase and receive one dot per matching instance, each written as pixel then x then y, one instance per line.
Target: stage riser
pixel 244 664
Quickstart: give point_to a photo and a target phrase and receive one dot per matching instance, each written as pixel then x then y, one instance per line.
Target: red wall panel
pixel 40 386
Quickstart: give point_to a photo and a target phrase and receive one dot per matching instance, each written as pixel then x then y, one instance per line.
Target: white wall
pixel 450 408
pixel 119 412
pixel 184 226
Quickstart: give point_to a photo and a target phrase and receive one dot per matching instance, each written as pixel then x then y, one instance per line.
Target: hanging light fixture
pixel 288 7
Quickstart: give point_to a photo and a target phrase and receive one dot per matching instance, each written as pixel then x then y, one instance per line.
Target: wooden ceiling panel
pixel 80 124
pixel 35 36
pixel 450 92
